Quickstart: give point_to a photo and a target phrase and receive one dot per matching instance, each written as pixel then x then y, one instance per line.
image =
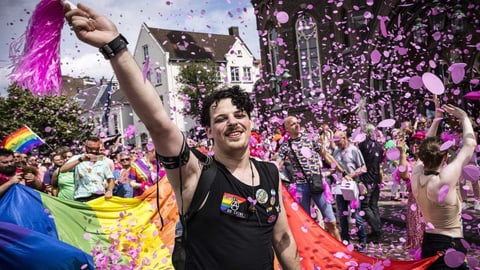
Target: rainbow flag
pixel 127 232
pixel 23 140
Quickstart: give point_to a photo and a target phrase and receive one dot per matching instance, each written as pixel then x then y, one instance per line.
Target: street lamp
pixel 419 32
pixel 277 83
pixel 437 19
pixel 457 20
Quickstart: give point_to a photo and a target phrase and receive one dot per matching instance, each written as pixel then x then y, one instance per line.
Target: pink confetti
pixel 471 172
pixel 442 193
pixel 429 226
pixel 306 152
pixel 454 258
pixel 375 56
pixel 415 82
pixel 386 123
pixel 433 83
pixel 393 154
pixel 282 17
pixel 457 71
pixel 446 145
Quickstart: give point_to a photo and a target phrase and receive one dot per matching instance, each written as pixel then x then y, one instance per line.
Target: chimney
pixel 233 31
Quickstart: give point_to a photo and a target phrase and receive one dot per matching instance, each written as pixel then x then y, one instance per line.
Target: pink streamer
pixel 38 67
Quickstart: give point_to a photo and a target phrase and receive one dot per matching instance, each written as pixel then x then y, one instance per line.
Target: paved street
pixel 394 215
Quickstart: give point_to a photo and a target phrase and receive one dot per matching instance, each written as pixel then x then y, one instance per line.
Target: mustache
pixel 234 128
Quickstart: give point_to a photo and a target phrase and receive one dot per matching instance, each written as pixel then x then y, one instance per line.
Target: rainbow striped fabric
pixel 23 140
pixel 122 233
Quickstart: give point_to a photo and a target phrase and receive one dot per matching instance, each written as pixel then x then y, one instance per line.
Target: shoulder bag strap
pixel 296 159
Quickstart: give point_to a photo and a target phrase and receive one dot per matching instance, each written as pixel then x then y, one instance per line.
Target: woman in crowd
pixel 435 189
pixel 64 183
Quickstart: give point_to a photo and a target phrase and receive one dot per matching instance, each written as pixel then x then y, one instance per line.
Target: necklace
pixel 252 207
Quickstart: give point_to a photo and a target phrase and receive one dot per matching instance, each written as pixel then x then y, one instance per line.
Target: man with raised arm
pixel 242 216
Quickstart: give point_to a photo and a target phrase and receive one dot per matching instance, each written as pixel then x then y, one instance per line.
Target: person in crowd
pixel 35 162
pixel 31 179
pixel 145 171
pixel 403 172
pixel 90 172
pixel 122 176
pixel 64 182
pixel 373 154
pixel 398 188
pixel 304 166
pixel 350 163
pixel 434 186
pixel 9 175
pixel 20 159
pixel 226 118
pixel 57 163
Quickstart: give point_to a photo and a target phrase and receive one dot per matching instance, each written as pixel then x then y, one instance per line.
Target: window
pixel 218 75
pixel 247 74
pixel 149 75
pixel 115 123
pixel 235 74
pixel 239 53
pixel 308 55
pixel 158 76
pixel 145 52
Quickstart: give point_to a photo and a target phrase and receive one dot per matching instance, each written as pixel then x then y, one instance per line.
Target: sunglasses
pixel 124 159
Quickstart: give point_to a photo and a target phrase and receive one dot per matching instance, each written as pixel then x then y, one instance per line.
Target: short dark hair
pixel 240 99
pixel 430 154
pixel 93 139
pixel 4 152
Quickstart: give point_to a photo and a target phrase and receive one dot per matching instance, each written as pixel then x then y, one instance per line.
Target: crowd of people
pixel 354 163
pixel 86 175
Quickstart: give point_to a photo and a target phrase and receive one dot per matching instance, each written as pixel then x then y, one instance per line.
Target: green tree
pixel 197 80
pixel 56 119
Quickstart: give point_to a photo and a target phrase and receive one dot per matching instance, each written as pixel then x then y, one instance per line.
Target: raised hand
pixel 89 26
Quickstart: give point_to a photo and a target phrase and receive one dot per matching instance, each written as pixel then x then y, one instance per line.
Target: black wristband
pixel 114 47
pixel 344 173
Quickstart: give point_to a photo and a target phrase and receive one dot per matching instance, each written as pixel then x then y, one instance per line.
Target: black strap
pixel 296 159
pixel 207 177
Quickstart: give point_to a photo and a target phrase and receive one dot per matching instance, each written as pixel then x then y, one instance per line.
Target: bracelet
pixel 114 47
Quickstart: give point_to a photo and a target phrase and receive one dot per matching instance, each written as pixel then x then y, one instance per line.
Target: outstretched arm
pixel 451 173
pixel 97 30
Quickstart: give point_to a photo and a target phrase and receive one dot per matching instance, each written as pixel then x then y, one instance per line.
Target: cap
pixel 419 135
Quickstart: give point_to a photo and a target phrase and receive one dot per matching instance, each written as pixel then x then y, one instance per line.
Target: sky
pixel 79 59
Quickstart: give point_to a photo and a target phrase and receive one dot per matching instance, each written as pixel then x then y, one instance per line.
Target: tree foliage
pixel 56 119
pixel 197 80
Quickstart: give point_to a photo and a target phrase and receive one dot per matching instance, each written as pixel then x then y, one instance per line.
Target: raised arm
pixel 432 131
pixel 95 29
pixel 451 173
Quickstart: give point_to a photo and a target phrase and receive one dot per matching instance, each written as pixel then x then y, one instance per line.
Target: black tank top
pixel 225 234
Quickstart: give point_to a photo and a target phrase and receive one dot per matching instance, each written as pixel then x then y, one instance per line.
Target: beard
pixel 8 171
